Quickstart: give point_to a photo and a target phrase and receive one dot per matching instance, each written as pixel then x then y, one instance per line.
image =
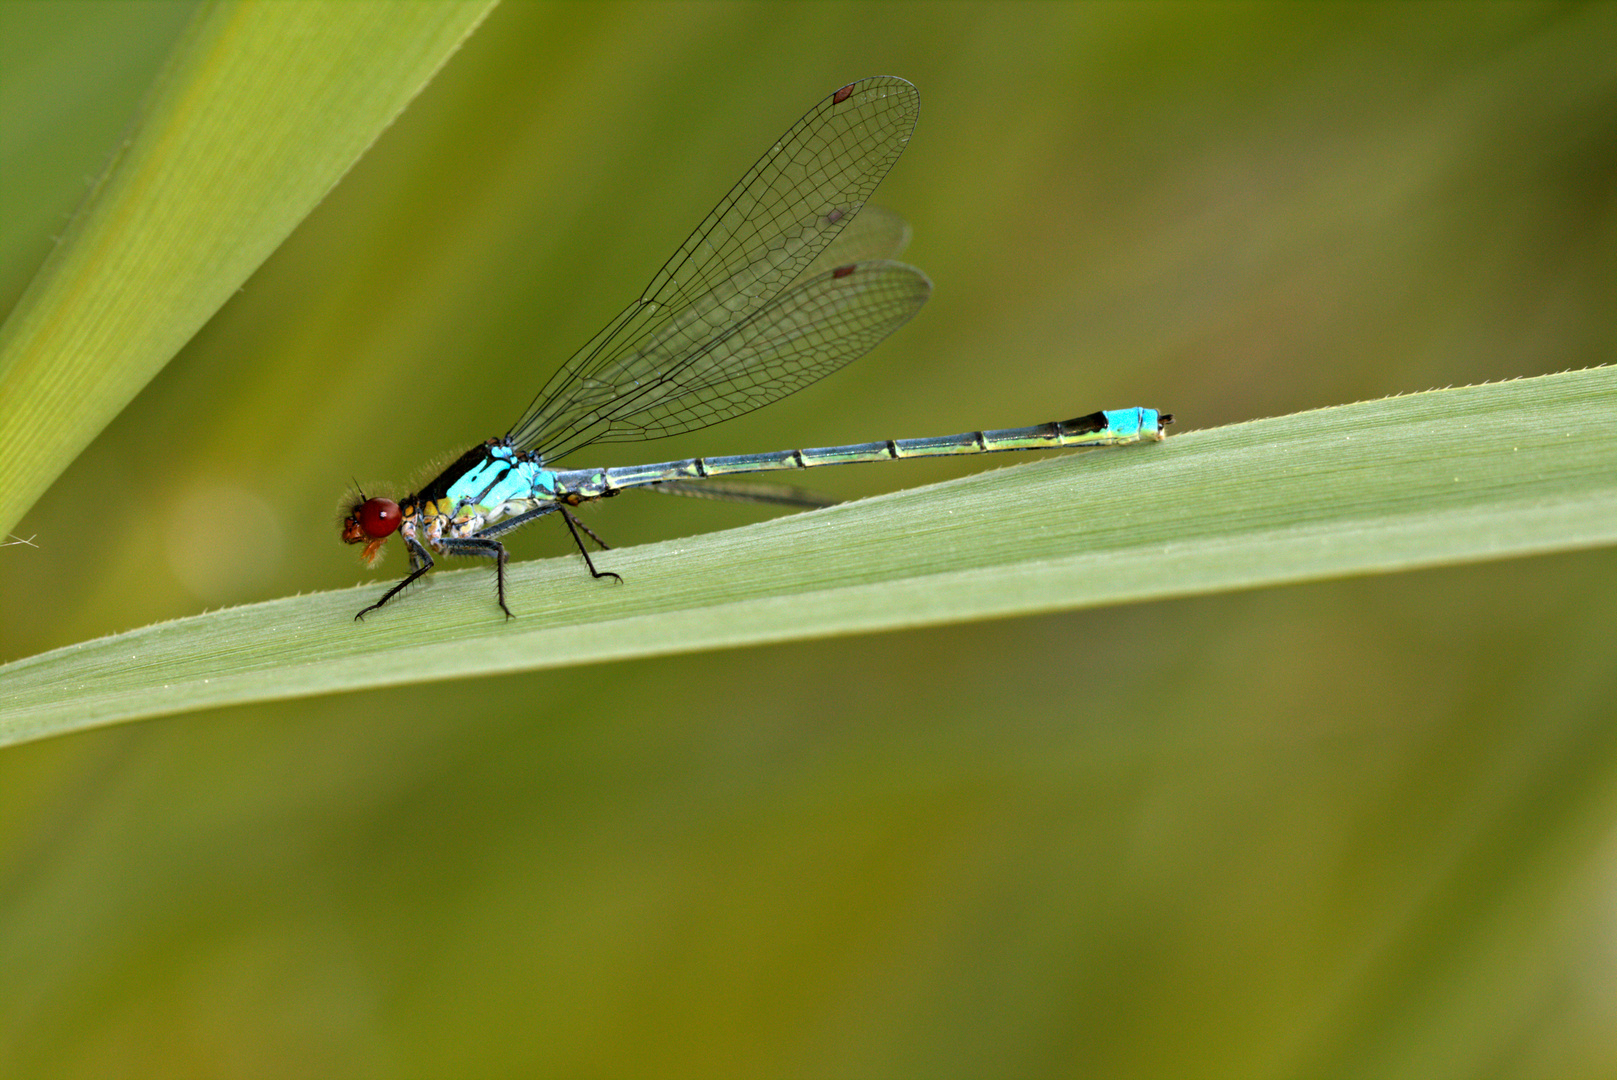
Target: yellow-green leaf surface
pixel 261 109
pixel 1445 477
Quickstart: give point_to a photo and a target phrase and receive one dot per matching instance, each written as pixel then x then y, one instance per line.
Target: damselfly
pixel 772 291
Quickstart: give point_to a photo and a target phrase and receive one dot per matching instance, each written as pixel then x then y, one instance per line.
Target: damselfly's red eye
pixel 379 518
pixel 371 520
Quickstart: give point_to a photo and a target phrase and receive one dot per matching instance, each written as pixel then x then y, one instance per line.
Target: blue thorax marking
pixel 502 478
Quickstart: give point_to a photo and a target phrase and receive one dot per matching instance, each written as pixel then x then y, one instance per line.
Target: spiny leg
pixel 480 545
pixel 500 528
pixel 420 563
pixel 573 525
pixel 591 534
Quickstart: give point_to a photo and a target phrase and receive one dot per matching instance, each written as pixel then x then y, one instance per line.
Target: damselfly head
pixel 370 522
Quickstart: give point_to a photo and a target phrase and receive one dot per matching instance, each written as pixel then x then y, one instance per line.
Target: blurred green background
pixel 1363 827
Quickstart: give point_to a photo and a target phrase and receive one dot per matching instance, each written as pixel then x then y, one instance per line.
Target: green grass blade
pixel 1445 477
pixel 260 111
